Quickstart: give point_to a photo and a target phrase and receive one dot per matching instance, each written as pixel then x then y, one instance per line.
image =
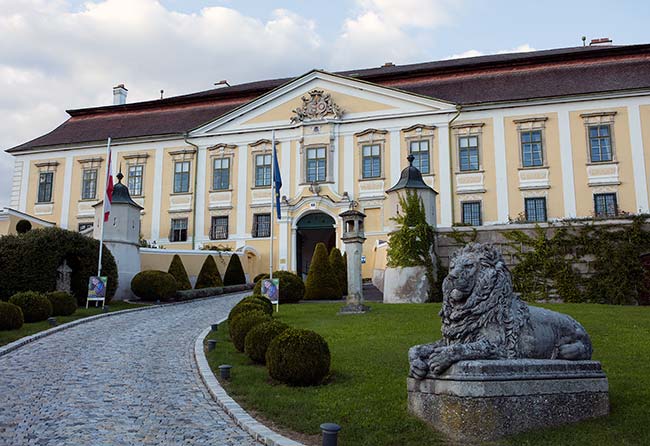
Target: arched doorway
pixel 312 229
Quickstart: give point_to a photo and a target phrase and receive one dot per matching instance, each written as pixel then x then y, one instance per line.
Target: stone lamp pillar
pixel 353 237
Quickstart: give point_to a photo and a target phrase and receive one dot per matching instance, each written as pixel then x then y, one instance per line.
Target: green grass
pixel 366 393
pixel 32 328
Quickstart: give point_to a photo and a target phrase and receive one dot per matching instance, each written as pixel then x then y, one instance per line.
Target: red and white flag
pixel 108 196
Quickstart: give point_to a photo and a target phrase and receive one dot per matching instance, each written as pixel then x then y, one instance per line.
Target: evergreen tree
pixel 177 269
pixel 338 267
pixel 345 270
pixel 321 283
pixel 234 274
pixel 209 276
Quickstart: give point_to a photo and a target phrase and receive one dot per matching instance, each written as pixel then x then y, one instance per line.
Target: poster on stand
pixel 97 289
pixel 271 289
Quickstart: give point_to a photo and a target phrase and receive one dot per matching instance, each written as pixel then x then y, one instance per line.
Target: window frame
pixel 213 226
pixel 264 166
pixel 138 178
pixel 87 182
pixel 172 230
pixel 531 143
pixel 177 174
pixel 41 195
pixel 221 169
pixel 599 137
pixel 373 157
pixel 605 195
pixel 478 153
pixel 316 148
pixel 86 226
pixel 536 200
pixel 418 158
pixel 478 203
pixel 255 232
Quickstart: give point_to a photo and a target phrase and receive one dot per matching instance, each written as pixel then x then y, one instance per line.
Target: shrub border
pixel 241 418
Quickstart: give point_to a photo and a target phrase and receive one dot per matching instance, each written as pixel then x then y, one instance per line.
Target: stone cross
pixel 64 277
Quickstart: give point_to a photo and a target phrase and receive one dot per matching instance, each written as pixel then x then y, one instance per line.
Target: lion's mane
pixel 491 302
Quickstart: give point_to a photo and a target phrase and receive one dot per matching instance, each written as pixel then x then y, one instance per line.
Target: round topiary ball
pixel 259 337
pixel 298 357
pixel 63 304
pixel 259 299
pixel 35 305
pixel 260 276
pixel 245 307
pixel 11 316
pixel 292 288
pixel 242 324
pixel 154 285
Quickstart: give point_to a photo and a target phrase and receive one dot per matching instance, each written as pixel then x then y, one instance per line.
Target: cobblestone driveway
pixel 123 380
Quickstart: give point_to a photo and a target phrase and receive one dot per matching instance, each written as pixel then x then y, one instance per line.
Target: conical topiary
pixel 338 267
pixel 209 276
pixel 345 269
pixel 234 272
pixel 321 283
pixel 177 269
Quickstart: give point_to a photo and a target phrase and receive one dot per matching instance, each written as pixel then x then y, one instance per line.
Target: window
pixel 262 225
pixel 135 179
pixel 472 213
pixel 535 209
pixel 316 164
pixel 220 173
pixel 219 228
pixel 262 170
pixel 531 148
pixel 420 152
pixel 600 143
pixel 45 180
pixel 371 161
pixel 181 177
pixel 89 184
pixel 83 226
pixel 605 205
pixel 468 152
pixel 179 230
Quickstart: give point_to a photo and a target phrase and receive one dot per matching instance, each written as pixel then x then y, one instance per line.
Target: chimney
pixel 119 94
pixel 388 64
pixel 603 41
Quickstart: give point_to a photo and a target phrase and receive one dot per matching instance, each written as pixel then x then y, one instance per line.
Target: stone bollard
pixel 214 327
pixel 212 344
pixel 105 309
pixel 51 321
pixel 330 433
pixel 224 371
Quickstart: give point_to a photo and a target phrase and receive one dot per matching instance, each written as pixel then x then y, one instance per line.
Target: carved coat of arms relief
pixel 317 105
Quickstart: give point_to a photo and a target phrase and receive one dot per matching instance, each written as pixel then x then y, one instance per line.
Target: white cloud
pixel 525 48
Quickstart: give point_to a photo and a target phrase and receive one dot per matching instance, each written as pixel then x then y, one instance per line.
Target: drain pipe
pixel 459 108
pixel 196 177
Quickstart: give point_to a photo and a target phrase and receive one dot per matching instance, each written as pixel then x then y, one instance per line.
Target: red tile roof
pixel 475 80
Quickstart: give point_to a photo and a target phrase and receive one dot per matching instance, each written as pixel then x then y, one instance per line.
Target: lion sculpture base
pixel 485 326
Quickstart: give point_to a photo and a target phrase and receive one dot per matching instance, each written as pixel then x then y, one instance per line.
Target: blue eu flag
pixel 277 181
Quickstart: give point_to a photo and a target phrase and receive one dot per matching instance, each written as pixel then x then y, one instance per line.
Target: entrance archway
pixel 311 230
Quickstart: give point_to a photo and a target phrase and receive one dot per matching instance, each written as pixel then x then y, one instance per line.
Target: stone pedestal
pixel 485 400
pixel 353 238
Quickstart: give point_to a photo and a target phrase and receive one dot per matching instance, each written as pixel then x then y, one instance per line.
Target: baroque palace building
pixel 531 137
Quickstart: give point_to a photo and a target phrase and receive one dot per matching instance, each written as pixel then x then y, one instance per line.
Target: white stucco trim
pixel 445 177
pixel 638 159
pixel 348 165
pixel 201 194
pixel 566 158
pixel 285 168
pixel 242 187
pixel 501 169
pixel 157 194
pixel 67 187
pixel 395 151
pixel 24 185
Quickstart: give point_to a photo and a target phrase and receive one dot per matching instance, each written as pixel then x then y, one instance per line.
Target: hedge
pixel 209 276
pixel 339 269
pixel 259 338
pixel 154 285
pixel 322 282
pixel 11 316
pixel 298 357
pixel 35 305
pixel 242 323
pixel 292 288
pixel 63 304
pixel 29 262
pixel 234 274
pixel 177 269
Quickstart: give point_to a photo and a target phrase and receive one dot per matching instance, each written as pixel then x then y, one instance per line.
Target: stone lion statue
pixel 483 319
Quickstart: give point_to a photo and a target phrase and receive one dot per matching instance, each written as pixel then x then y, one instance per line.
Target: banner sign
pixel 97 289
pixel 271 289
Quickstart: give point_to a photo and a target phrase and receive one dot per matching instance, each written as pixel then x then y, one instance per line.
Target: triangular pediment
pixel 319 96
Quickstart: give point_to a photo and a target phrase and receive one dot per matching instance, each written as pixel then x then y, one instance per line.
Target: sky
pixel 57 55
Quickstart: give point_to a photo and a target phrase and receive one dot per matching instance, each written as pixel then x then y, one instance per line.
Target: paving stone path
pixel 123 380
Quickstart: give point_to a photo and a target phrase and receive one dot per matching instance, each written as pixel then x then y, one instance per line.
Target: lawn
pixel 366 393
pixel 32 328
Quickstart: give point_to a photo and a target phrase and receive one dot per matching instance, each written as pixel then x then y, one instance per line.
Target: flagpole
pixel 273 192
pixel 101 220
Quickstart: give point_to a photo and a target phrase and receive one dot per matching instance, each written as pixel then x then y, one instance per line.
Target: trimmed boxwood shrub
pixel 63 304
pixel 177 269
pixel 260 276
pixel 11 316
pixel 258 298
pixel 298 357
pixel 29 262
pixel 321 283
pixel 242 323
pixel 338 268
pixel 244 307
pixel 35 305
pixel 209 276
pixel 154 285
pixel 292 288
pixel 234 274
pixel 259 337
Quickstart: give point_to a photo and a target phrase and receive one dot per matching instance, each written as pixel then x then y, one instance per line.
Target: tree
pixel 177 269
pixel 234 274
pixel 338 267
pixel 209 276
pixel 322 282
